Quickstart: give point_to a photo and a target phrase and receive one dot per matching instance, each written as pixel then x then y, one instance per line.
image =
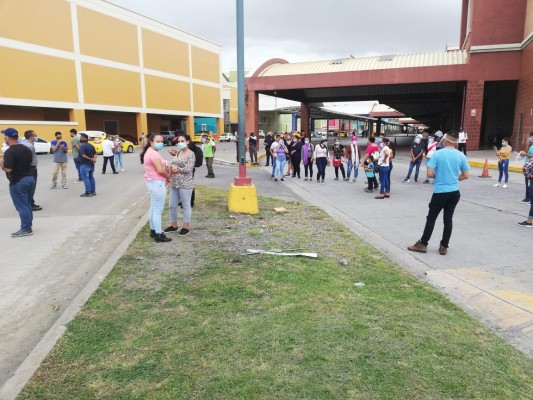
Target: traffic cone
pixel 485 173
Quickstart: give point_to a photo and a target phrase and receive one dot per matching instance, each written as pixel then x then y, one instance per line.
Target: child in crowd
pixel 370 175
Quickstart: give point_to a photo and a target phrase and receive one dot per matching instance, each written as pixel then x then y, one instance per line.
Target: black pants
pixel 34 174
pixel 309 168
pixel 462 147
pixel 268 156
pixel 111 161
pixel 296 166
pixel 528 183
pixel 441 201
pixel 342 171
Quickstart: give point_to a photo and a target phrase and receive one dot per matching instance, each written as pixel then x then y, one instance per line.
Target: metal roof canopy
pixel 321 113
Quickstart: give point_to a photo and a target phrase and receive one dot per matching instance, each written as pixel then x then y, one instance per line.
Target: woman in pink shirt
pixel 157 178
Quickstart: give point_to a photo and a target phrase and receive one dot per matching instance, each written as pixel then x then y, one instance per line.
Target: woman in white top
pixel 383 162
pixel 321 159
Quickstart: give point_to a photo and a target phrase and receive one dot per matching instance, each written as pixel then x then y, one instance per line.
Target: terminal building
pixel 92 65
pixel 484 85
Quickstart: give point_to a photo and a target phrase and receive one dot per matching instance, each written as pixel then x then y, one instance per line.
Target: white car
pixel 226 137
pixel 41 146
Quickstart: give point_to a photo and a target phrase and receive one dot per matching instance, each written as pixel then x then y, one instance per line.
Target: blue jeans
pixel 355 169
pixel 21 195
pixel 321 163
pixel 77 164
pixel 413 165
pixel 87 175
pixel 158 193
pixel 280 167
pixel 384 179
pixel 273 166
pixel 531 197
pixel 503 167
pixel 118 161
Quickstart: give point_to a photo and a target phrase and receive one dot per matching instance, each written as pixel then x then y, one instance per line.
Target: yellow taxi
pixel 96 138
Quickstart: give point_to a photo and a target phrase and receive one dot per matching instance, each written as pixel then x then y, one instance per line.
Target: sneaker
pixel 21 233
pixel 406 180
pixel 35 207
pixel 426 181
pixel 283 180
pixel 525 201
pixel 85 195
pixel 418 247
pixel 369 190
pixel 496 185
pixel 78 181
pixel 123 170
pixel 380 197
pixel 416 180
pixel 443 250
pixel 322 181
pixel 336 179
pixel 115 172
pixel 505 186
pixel 93 193
pixel 345 179
pixel 525 224
pixel 183 232
pixel 53 186
pixel 152 233
pixel 171 229
pixel 64 186
pixel 161 238
pixel 353 181
pixel 276 179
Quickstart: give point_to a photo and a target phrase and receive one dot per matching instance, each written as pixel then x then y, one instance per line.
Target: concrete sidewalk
pixel 487 270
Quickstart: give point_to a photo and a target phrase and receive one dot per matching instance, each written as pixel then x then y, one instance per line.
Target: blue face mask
pixel 504 144
pixel 159 146
pixel 182 145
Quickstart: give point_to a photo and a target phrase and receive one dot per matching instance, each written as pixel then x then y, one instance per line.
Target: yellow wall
pixel 103 85
pixel 205 65
pixel 45 23
pixel 165 54
pixel 34 76
pixel 234 106
pixel 107 37
pixel 45 132
pixel 167 94
pixel 206 99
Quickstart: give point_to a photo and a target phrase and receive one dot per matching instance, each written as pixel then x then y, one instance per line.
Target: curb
pixel 481 164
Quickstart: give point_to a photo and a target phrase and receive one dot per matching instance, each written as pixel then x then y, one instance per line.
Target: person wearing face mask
pixel 182 185
pixel 157 177
pixel 351 152
pixel 463 137
pixel 338 154
pixel 209 148
pixel 321 159
pixel 448 166
pixel 87 159
pixel 417 151
pixel 503 163
pixel 432 147
pixel 307 158
pixel 296 156
pixel 252 148
pixel 273 153
pixel 281 159
pixel 528 155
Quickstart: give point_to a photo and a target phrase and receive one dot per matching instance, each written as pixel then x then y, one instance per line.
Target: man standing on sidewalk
pixel 417 151
pixel 448 167
pixel 463 137
pixel 29 137
pixel 17 166
pixel 109 155
pixel 209 153
pixel 60 149
pixel 75 143
pixel 268 142
pixel 87 157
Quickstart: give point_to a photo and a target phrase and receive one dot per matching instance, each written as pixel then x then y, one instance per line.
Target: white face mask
pixel 417 140
pixel 306 141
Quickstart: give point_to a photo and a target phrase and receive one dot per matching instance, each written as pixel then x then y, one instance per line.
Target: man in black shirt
pixel 87 159
pixel 17 166
pixel 268 143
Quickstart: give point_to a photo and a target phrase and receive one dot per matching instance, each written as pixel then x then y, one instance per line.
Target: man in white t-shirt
pixel 461 142
pixel 109 155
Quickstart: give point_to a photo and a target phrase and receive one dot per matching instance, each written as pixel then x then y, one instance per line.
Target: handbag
pixel 336 162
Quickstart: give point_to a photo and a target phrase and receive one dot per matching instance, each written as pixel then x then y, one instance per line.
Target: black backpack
pixel 199 154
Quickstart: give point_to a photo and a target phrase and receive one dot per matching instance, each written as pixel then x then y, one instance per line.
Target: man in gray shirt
pixel 29 137
pixel 60 149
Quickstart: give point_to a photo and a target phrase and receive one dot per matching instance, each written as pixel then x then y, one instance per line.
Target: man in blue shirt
pixel 60 148
pixel 448 167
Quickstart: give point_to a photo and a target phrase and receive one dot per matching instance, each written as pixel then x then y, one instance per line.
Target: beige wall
pixel 104 85
pixel 163 53
pixel 33 76
pixel 106 37
pixel 167 94
pixel 205 65
pixel 206 99
pixel 529 19
pixel 45 23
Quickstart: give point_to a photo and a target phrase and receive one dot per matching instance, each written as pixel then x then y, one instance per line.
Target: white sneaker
pixel 496 185
pixel 406 181
pixel 505 186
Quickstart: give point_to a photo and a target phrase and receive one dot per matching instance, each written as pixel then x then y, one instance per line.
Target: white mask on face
pixel 417 140
pixel 306 141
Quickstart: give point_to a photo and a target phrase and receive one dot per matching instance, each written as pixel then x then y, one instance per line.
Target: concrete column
pixel 189 125
pixel 304 118
pixel 252 111
pixel 79 117
pixel 473 113
pixel 378 127
pixel 220 126
pixel 142 124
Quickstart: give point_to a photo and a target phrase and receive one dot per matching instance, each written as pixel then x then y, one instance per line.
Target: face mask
pixel 159 146
pixel 417 140
pixel 431 140
pixel 504 144
pixel 337 143
pixel 182 145
pixel 530 141
pixel 307 141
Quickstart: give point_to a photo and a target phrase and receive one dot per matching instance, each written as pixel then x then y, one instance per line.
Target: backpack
pixel 199 154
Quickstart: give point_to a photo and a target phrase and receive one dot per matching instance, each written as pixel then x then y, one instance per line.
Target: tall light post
pixel 242 197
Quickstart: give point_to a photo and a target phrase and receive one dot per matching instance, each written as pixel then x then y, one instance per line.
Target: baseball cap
pixel 11 133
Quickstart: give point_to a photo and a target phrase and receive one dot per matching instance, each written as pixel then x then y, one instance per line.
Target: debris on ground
pixel 279 252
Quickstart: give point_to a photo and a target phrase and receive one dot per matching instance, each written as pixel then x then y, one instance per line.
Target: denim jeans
pixel 158 193
pixel 34 174
pixel 273 166
pixel 21 195
pixel 182 196
pixel 413 165
pixel 77 164
pixel 349 167
pixel 528 187
pixel 441 201
pixel 280 167
pixel 384 179
pixel 118 161
pixel 321 163
pixel 87 175
pixel 531 197
pixel 503 167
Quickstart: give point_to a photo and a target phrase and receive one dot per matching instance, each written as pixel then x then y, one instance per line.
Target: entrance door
pixel 111 127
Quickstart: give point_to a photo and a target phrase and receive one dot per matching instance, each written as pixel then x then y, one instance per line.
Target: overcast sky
pixel 309 30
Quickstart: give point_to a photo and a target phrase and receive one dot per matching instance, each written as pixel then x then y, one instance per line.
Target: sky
pixel 311 30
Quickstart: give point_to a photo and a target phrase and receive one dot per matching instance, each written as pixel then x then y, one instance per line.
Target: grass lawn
pixel 195 319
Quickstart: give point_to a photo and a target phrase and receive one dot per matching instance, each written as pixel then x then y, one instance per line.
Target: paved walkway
pixel 487 271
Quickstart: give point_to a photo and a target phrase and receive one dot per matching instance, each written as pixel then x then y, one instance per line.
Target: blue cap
pixel 11 133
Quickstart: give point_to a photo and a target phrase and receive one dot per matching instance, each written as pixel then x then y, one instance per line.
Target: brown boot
pixel 418 247
pixel 443 250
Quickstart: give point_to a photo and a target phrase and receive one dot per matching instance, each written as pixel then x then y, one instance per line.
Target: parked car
pixel 131 138
pixel 168 137
pixel 41 146
pixel 227 137
pixel 96 138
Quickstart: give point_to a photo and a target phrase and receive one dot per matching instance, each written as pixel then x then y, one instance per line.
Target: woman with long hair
pixel 157 178
pixel 182 185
